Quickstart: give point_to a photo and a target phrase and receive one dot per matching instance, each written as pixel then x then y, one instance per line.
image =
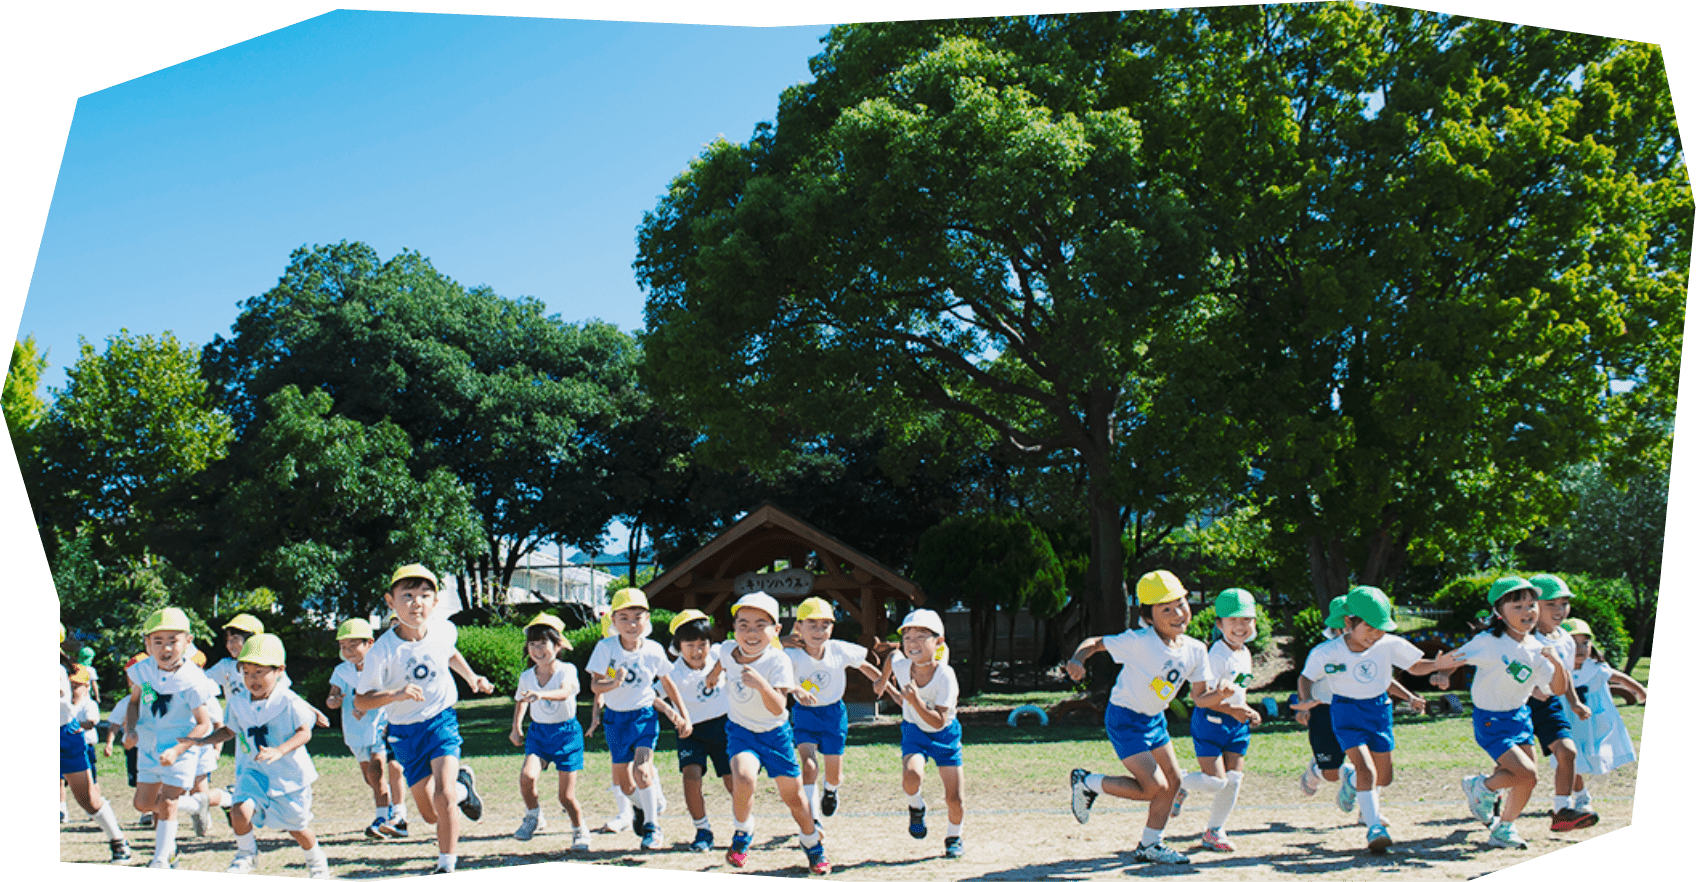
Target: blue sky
pixel 514 153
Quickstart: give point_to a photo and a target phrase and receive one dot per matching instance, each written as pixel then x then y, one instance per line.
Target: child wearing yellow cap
pixel 1156 658
pixel 408 673
pixel 168 696
pixel 624 668
pixel 1602 740
pixel 820 716
pixel 365 732
pixel 547 690
pixel 271 726
pixel 708 704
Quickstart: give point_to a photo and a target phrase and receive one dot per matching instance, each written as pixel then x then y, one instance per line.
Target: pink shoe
pixel 1214 838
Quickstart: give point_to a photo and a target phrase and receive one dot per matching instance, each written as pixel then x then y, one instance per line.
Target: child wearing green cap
pixel 365 732
pixel 1221 736
pixel 1359 667
pixel 168 696
pixel 547 690
pixel 1552 715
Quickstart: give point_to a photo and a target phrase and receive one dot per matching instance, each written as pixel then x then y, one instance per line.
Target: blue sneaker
pixel 916 822
pixel 1377 839
pixel 651 837
pixel 1480 800
pixel 738 854
pixel 952 847
pixel 703 840
pixel 815 858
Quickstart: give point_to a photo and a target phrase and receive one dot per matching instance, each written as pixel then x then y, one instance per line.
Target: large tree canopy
pixel 1386 257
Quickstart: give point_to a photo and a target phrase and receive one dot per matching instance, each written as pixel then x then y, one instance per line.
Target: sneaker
pixel 163 862
pixel 1157 854
pixel 473 805
pixel 440 870
pixel 916 823
pixel 1505 836
pixel 1178 802
pixel 638 821
pixel 1572 819
pixel 528 827
pixel 244 862
pixel 738 854
pixel 1346 791
pixel 202 820
pixel 61 816
pixel 827 802
pixel 1082 796
pixel 1480 799
pixel 703 839
pixel 618 823
pixel 1309 786
pixel 121 851
pixel 816 860
pixel 1581 804
pixel 318 871
pixel 146 820
pixel 375 831
pixel 651 838
pixel 580 839
pixel 394 828
pixel 952 847
pixel 1377 839
pixel 1214 838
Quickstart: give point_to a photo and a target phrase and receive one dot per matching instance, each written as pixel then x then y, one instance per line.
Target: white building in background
pixel 546 577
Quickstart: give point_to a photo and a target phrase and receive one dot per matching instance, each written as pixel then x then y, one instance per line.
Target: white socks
pixel 1368 802
pixel 164 836
pixel 1225 800
pixel 1151 836
pixel 108 821
pixel 744 826
pixel 954 829
pixel 1200 782
pixel 701 823
pixel 648 800
pixel 447 861
pixel 915 800
pixel 1562 802
pixel 1095 782
pixel 247 843
pixel 812 839
pixel 810 793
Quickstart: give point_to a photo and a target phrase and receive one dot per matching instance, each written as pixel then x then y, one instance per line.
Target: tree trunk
pixel 1328 567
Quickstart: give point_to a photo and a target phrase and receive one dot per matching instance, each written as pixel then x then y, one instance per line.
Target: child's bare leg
pixel 692 795
pixel 744 767
pixel 1385 766
pixel 1365 768
pixel 642 768
pixel 305 839
pixel 808 754
pixel 166 807
pixel 1210 766
pixel 1145 783
pixel 912 773
pixel 444 774
pixel 621 776
pixel 241 818
pixel 953 789
pixel 1165 769
pixel 528 773
pixel 372 770
pixel 1332 775
pixel 832 769
pixel 146 796
pixel 568 798
pixel 1566 773
pixel 1516 772
pixel 790 790
pixel 85 791
pixel 397 785
pixel 424 796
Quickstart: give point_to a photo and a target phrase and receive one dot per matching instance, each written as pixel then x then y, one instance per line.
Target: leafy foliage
pixel 1594 601
pixel 496 653
pixel 20 401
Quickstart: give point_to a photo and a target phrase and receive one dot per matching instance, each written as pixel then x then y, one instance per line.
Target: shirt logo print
pixel 1366 671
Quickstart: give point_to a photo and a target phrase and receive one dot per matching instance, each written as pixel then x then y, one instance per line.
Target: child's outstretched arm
pixel 1218 699
pixel 1624 680
pixel 217 736
pixel 516 736
pixel 1075 665
pixel 477 682
pixel 1402 693
pixel 680 711
pixel 1446 661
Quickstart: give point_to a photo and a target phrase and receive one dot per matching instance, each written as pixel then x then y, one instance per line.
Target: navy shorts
pixel 1216 733
pixel 1327 753
pixel 1497 731
pixel 416 745
pixel 628 730
pixel 943 747
pixel 558 743
pixel 774 748
pixel 706 742
pixel 1132 733
pixel 825 725
pixel 1362 721
pixel 73 750
pixel 1550 721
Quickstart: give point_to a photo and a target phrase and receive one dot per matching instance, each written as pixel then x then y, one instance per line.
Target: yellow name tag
pixel 1162 688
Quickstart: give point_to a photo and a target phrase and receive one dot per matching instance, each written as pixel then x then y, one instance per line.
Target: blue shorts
pixel 416 745
pixel 73 750
pixel 1327 753
pixel 942 747
pixel 1362 721
pixel 288 811
pixel 1217 733
pixel 1496 731
pixel 706 742
pixel 1550 721
pixel 825 725
pixel 558 743
pixel 1132 733
pixel 775 748
pixel 628 730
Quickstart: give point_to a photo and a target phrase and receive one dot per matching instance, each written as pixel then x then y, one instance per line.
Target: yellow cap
pixel 685 617
pixel 1159 586
pixel 815 608
pixel 629 597
pixel 548 619
pixel 1578 626
pixel 352 629
pixel 245 622
pixel 606 625
pixel 263 649
pixel 415 571
pixel 168 619
pixel 82 674
pixel 199 659
pixel 61 632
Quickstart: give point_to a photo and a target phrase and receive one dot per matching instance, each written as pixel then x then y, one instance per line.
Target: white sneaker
pixel 580 839
pixel 203 818
pixel 528 827
pixel 661 807
pixel 318 871
pixel 244 862
pixel 163 862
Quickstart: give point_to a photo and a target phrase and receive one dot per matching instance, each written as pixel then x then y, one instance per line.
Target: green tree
pixel 132 423
pixel 507 398
pixel 1618 530
pixel 21 400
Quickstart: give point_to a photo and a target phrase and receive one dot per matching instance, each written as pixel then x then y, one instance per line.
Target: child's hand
pixel 359 714
pixel 752 679
pixel 911 693
pixel 413 692
pixel 334 702
pixel 1249 715
pixel 516 737
pixel 129 741
pixel 802 696
pixel 107 747
pixel 1417 703
pixel 711 680
pixel 169 755
pixel 1075 671
pixel 684 728
pixel 594 723
pixel 267 755
pixel 1440 681
pixel 1302 717
pixel 483 685
pixel 1305 706
pixel 792 642
pixel 1581 709
pixel 323 721
pixel 526 697
pixel 1454 658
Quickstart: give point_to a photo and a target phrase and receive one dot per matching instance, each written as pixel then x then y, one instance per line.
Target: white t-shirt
pixel 548 710
pixel 357 728
pixel 942 693
pixel 1321 689
pixel 168 702
pixel 116 717
pixel 1506 670
pixel 826 678
pixel 704 702
pixel 1151 672
pixel 1359 675
pixel 394 663
pixel 636 671
pixel 67 708
pixel 1232 668
pixel 88 712
pixel 1566 651
pixel 747 707
pixel 269 723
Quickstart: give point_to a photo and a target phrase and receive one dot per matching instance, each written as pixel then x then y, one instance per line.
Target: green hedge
pixel 1596 601
pixel 1201 627
pixel 497 651
pixel 1307 630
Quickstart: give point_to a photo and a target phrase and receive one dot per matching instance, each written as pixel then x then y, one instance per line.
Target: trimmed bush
pixel 1594 601
pixel 496 652
pixel 1307 631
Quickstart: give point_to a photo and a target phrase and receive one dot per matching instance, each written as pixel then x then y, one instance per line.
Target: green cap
pixel 1507 585
pixel 1339 608
pixel 1234 603
pixel 1371 606
pixel 85 655
pixel 1577 626
pixel 1551 586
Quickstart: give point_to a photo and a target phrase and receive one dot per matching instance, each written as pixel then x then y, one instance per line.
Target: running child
pixel 1509 663
pixel 1221 737
pixel 1359 665
pixel 1552 715
pixel 364 731
pixel 929 695
pixel 407 674
pixel 708 704
pixel 820 717
pixel 1157 658
pixel 168 695
pixel 74 766
pixel 271 726
pixel 759 675
pixel 623 670
pixel 1603 742
pixel 548 690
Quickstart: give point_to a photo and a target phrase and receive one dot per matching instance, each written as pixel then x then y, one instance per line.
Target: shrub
pixel 1307 630
pixel 1595 601
pixel 496 653
pixel 1201 627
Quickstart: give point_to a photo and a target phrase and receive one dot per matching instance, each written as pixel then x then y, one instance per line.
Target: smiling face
pixel 1360 635
pixel 1581 650
pixel 234 640
pixel 1519 611
pixel 412 601
pixel 166 648
pixel 1237 630
pixel 542 651
pixel 260 679
pixel 814 632
pixel 1170 618
pixel 1550 613
pixel 919 645
pixel 629 623
pixel 353 650
pixel 754 630
pixel 693 652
